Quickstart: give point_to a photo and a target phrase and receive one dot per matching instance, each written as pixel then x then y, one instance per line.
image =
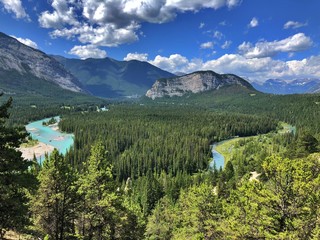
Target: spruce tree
pixel 15 180
pixel 99 200
pixel 54 203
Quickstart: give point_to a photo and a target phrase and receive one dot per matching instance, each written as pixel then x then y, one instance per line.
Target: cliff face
pixel 195 82
pixel 15 56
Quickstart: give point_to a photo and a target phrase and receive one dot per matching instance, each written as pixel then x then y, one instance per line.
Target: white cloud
pixel 292 24
pixel 63 14
pixel 206 45
pixel 114 22
pixel 295 43
pixel 15 6
pixel 226 44
pixel 218 35
pixel 258 69
pixel 201 25
pixel 173 63
pixel 253 23
pixel 136 56
pixel 88 51
pixel 26 41
pixel 195 5
pixel 107 35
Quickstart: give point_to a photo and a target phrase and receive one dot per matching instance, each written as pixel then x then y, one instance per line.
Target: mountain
pixel 195 82
pixel 25 67
pixel 111 78
pixel 277 86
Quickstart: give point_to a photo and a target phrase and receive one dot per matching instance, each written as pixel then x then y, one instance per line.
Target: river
pixel 218 159
pixel 50 135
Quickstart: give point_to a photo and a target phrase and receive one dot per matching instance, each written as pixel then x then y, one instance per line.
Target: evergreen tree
pixel 285 207
pixel 198 214
pixel 15 179
pixel 102 215
pixel 54 203
pixel 161 221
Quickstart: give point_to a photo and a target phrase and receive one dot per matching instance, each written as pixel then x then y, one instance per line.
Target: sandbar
pixel 39 150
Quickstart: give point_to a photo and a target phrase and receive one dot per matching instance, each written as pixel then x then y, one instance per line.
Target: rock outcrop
pixel 194 83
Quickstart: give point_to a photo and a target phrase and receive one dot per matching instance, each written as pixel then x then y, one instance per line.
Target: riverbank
pixel 224 150
pixel 39 150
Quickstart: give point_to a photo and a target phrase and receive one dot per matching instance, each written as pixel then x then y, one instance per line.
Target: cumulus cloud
pixel 88 51
pixel 173 63
pixel 15 6
pixel 62 14
pixel 253 23
pixel 27 41
pixel 295 43
pixel 257 69
pixel 292 24
pixel 107 35
pixel 206 45
pixel 136 56
pixel 114 22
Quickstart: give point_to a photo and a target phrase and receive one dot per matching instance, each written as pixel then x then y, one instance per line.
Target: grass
pixel 226 148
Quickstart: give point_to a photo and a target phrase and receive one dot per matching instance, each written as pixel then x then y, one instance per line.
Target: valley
pixel 98 148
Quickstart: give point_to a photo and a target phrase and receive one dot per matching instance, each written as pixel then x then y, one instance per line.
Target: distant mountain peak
pixel 195 82
pixel 295 86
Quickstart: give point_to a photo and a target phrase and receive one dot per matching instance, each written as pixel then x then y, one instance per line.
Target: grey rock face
pixel 195 82
pixel 26 60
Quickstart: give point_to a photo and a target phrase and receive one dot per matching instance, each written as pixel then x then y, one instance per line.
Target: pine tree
pixel 161 221
pixel 54 203
pixel 15 179
pixel 99 202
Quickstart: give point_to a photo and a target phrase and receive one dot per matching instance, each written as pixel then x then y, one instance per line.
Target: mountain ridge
pixel 27 61
pixel 108 77
pixel 196 82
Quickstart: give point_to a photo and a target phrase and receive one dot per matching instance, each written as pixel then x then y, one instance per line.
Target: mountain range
pixel 110 78
pixel 278 86
pixel 26 70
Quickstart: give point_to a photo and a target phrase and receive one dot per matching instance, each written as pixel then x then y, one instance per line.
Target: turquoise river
pixel 50 135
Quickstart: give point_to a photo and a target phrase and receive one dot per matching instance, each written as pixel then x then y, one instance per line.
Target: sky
pixel 255 39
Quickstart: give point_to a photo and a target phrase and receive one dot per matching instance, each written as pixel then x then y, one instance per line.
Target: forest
pixel 141 171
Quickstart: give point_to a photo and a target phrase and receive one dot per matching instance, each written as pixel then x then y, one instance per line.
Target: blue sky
pixel 256 39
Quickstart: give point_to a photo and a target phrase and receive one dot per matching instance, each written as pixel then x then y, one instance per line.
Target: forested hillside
pixel 141 171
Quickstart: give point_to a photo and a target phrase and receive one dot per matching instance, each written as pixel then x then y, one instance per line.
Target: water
pixel 218 159
pixel 50 135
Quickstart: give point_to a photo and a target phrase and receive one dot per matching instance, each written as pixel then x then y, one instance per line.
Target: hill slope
pixel 111 78
pixel 195 82
pixel 19 63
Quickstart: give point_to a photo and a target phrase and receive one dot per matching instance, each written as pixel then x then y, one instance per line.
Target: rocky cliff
pixel 15 56
pixel 194 83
